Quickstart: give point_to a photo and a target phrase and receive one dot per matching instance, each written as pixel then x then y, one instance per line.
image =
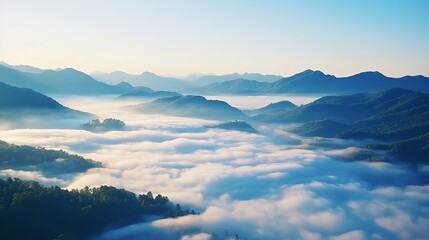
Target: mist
pixel 272 185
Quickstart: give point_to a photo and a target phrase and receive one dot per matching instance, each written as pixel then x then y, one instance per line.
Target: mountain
pixel 416 148
pixel 397 116
pixel 233 87
pixel 235 126
pixel 66 81
pixel 21 103
pixel 146 79
pixel 278 106
pixel 23 68
pixel 356 107
pixel 311 82
pixel 317 82
pixel 192 106
pixel 49 162
pixel 323 128
pixel 206 80
pixel 147 93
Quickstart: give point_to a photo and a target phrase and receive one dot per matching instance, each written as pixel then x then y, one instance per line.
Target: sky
pixel 222 36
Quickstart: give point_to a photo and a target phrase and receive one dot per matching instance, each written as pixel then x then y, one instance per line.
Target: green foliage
pixel 40 159
pixel 192 106
pixel 325 128
pixel 108 124
pixel 395 115
pixel 234 125
pixel 31 211
pixel 416 149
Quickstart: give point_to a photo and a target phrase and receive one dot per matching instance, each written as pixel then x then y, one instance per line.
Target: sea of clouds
pixel 274 185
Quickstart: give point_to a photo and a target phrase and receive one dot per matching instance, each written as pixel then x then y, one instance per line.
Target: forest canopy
pixel 29 210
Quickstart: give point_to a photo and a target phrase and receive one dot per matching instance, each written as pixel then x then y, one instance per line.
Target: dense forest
pixel 104 125
pixel 50 162
pixel 29 210
pixel 236 125
pixel 398 117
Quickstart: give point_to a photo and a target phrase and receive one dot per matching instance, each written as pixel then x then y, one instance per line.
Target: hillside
pixel 147 93
pixel 18 102
pixel 66 81
pixel 32 211
pixel 233 87
pixel 235 126
pixel 277 107
pixel 192 106
pixel 49 162
pixel 324 128
pixel 395 115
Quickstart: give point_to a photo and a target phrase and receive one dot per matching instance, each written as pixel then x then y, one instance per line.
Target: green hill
pixel 31 211
pixel 192 106
pixel 234 125
pixel 394 115
pixel 49 162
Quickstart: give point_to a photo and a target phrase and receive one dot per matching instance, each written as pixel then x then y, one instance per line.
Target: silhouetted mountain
pixel 234 125
pixel 66 81
pixel 317 82
pixel 146 79
pixel 17 103
pixel 234 87
pixel 147 93
pixel 206 80
pixel 192 106
pixel 394 115
pixel 23 68
pixel 278 106
pixel 49 162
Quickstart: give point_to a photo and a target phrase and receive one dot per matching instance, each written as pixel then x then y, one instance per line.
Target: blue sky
pixel 181 37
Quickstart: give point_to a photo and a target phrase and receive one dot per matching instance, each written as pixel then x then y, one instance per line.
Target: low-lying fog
pixel 273 185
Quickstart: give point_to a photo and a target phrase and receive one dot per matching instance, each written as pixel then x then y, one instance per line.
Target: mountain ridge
pixel 65 81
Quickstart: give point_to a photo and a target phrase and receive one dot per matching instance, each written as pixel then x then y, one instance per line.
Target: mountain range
pixel 315 82
pixel 157 82
pixel 146 79
pixel 66 81
pixel 147 93
pixel 396 116
pixel 71 81
pixel 233 87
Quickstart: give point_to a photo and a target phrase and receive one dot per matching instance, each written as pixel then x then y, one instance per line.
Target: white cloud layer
pixel 271 186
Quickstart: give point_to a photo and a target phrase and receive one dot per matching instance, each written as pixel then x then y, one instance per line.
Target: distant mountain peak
pixel 372 73
pixel 148 74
